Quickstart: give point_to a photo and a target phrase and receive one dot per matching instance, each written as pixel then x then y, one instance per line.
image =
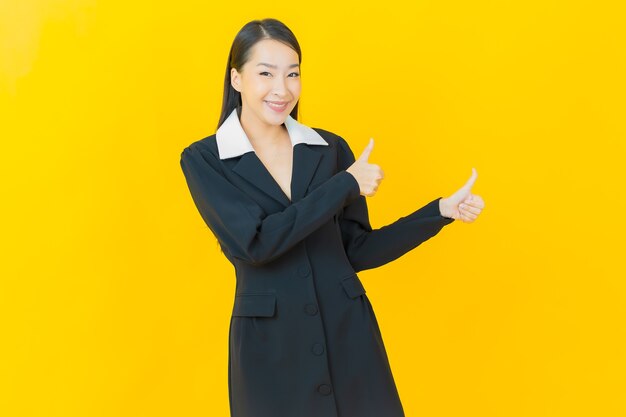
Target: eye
pixel 297 74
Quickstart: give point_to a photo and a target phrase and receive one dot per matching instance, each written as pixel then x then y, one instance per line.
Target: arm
pixel 240 224
pixel 367 248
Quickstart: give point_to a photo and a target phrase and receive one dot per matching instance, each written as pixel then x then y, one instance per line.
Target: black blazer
pixel 303 339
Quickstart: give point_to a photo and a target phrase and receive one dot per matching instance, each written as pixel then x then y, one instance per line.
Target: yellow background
pixel 115 299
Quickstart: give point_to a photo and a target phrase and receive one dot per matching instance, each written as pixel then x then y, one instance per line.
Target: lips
pixel 278 106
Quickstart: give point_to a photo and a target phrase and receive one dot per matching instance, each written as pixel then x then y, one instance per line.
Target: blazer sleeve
pixel 367 248
pixel 241 226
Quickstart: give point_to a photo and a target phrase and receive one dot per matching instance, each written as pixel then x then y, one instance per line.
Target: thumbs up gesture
pixel 463 205
pixel 367 175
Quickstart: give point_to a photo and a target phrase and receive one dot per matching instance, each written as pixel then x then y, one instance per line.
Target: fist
pixel 367 175
pixel 463 205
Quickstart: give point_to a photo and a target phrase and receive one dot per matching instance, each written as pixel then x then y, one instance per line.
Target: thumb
pixel 366 152
pixel 470 183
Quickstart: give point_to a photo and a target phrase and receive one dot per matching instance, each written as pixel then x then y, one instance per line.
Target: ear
pixel 234 79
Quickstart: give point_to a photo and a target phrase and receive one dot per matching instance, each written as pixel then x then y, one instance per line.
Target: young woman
pixel 287 204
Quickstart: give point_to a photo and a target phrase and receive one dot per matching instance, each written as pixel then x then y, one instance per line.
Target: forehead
pixel 274 53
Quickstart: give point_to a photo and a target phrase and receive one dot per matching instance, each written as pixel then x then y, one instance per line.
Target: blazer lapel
pixel 304 165
pixel 252 169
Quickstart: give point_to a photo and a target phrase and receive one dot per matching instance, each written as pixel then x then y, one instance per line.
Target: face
pixel 269 82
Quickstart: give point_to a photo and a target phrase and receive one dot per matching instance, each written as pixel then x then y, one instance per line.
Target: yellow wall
pixel 114 297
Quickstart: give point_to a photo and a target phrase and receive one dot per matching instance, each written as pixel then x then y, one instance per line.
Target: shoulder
pixel 333 139
pixel 345 156
pixel 201 155
pixel 207 147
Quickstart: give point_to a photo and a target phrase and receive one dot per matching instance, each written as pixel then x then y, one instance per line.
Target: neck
pixel 258 131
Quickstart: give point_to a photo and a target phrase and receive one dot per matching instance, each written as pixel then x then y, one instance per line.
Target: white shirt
pixel 232 140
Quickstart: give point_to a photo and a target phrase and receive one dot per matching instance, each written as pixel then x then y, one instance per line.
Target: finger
pixel 466 217
pixel 377 171
pixel 477 202
pixel 463 218
pixel 366 152
pixel 469 209
pixel 469 214
pixel 470 183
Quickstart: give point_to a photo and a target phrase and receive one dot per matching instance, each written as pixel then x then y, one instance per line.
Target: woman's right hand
pixel 367 175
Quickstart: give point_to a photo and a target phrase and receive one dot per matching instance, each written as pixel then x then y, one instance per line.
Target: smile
pixel 277 107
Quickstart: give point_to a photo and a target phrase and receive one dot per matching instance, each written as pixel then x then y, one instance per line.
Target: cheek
pixel 261 88
pixel 295 88
pixel 257 87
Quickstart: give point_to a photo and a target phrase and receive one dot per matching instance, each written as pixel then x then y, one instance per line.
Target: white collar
pixel 232 140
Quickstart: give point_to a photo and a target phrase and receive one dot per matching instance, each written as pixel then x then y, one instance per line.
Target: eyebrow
pixel 275 66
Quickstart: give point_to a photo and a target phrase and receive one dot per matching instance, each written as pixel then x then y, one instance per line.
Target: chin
pixel 277 119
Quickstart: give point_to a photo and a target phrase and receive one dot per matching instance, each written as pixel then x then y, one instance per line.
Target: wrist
pixel 443 208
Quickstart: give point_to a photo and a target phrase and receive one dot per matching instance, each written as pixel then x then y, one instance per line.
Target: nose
pixel 280 88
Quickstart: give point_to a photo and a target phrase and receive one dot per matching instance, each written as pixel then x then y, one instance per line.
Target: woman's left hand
pixel 463 205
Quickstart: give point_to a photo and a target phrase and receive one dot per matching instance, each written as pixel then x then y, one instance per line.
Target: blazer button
pixel 324 389
pixel 304 270
pixel 310 309
pixel 317 349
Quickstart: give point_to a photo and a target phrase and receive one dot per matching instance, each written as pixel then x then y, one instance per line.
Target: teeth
pixel 276 105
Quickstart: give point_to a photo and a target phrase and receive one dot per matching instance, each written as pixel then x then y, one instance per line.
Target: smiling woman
pixel 269 86
pixel 287 203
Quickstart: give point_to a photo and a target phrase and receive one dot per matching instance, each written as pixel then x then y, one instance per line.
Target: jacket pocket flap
pixel 255 305
pixel 353 286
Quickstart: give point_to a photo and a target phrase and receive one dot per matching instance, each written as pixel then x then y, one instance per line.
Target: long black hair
pixel 251 33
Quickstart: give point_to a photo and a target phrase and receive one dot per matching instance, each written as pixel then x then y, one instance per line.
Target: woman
pixel 287 205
